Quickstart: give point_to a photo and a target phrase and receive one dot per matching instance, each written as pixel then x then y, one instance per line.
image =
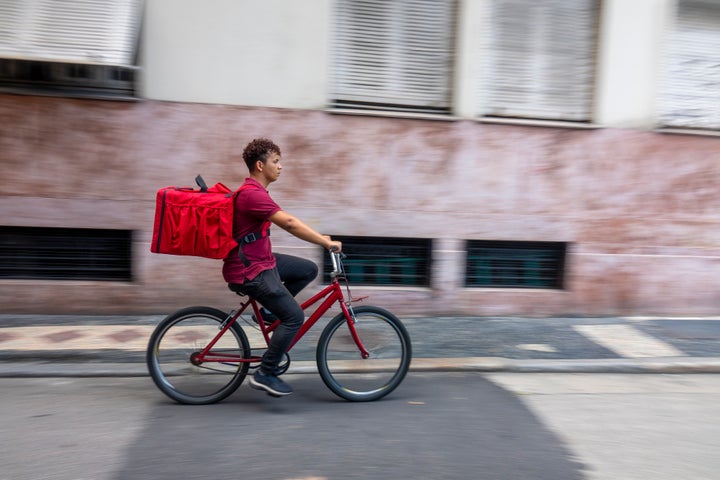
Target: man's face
pixel 271 168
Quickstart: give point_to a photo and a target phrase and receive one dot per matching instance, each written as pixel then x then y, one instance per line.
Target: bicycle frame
pixel 331 294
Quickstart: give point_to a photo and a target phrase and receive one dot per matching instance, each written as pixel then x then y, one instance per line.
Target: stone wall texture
pixel 639 209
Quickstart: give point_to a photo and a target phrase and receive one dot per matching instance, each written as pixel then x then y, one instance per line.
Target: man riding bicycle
pixel 252 269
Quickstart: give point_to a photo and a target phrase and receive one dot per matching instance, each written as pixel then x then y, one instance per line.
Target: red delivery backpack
pixel 194 222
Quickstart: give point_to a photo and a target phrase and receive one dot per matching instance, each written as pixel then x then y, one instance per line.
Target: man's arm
pixel 298 228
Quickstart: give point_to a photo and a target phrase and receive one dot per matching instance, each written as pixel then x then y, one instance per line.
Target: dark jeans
pixel 275 289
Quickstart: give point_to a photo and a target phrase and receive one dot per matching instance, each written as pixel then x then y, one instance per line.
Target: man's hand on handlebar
pixel 333 245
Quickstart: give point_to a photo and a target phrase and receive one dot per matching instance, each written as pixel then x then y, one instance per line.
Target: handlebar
pixel 336 258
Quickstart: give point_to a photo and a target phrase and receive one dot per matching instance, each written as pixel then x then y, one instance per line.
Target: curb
pixel 464 364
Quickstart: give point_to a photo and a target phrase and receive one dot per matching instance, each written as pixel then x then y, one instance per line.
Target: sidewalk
pixel 68 345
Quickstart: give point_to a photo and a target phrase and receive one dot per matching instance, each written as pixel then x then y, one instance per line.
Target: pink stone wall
pixel 639 208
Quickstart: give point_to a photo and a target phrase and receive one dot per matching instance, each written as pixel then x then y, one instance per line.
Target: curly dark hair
pixel 259 149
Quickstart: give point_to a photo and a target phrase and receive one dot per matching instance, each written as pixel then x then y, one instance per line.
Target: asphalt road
pixel 460 425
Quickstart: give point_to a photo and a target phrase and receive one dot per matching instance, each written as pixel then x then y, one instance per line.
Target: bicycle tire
pixel 342 367
pixel 183 333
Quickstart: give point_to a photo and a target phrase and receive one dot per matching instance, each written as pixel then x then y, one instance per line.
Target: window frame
pixel 691 75
pixel 389 259
pixel 504 263
pixel 404 74
pixel 85 49
pixel 549 97
pixel 62 254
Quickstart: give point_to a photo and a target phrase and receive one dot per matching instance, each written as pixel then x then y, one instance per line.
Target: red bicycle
pixel 201 355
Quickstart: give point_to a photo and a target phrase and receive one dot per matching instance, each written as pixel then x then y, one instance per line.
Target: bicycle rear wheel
pixel 341 365
pixel 170 356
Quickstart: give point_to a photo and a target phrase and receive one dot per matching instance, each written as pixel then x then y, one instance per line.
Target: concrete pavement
pixel 77 345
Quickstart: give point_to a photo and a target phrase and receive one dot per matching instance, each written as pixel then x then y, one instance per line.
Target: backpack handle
pixel 201 183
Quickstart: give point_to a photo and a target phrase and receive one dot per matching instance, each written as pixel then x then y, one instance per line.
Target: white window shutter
pixel 80 31
pixel 691 89
pixel 13 14
pixel 540 59
pixel 393 55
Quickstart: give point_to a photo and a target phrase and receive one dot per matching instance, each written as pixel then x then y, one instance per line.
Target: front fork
pixel 351 321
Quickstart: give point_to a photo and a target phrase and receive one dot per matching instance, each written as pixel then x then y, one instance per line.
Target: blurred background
pixel 477 157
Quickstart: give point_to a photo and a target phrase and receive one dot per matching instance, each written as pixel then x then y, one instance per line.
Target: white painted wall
pixel 270 53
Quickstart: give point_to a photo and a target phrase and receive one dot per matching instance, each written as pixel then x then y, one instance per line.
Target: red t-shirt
pixel 253 207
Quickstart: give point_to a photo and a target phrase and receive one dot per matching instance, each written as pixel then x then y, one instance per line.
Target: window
pixel 83 48
pixel 539 59
pixel 506 264
pixel 382 261
pixel 36 253
pixel 690 95
pixel 393 55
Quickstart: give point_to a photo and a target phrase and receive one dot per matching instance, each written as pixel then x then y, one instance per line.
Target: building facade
pixel 480 157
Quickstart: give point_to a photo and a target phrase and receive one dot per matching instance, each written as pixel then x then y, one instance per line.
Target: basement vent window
pixel 37 253
pixel 383 261
pixel 511 264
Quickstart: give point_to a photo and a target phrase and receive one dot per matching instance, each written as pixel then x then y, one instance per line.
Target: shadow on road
pixel 434 426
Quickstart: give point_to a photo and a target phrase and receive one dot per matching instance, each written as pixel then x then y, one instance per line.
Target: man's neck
pixel 260 179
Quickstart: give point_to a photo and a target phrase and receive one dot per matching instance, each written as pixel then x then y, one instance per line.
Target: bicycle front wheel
pixel 172 356
pixel 340 362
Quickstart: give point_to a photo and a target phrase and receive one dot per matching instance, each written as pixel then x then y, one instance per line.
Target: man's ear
pixel 259 165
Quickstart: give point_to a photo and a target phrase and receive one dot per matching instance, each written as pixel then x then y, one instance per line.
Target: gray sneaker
pixel 270 383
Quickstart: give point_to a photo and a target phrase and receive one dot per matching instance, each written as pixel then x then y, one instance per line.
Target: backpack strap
pixel 251 237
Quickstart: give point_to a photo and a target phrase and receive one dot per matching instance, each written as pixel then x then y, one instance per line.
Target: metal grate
pixel 383 261
pixel 37 253
pixel 509 264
